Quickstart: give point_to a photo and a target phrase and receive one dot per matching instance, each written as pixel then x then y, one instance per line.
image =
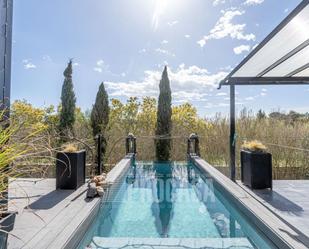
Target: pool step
pixel 170 243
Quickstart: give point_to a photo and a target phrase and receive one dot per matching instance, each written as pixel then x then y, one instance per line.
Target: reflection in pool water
pixel 162 207
pixel 171 200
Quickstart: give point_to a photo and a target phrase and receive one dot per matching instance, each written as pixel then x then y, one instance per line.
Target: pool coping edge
pixel 74 232
pixel 265 220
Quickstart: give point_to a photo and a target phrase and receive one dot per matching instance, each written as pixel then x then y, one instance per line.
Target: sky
pixel 127 43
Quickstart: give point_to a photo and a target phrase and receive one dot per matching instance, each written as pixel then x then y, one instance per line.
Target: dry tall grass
pixel 286 136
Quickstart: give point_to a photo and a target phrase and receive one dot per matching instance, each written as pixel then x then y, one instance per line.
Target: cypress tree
pixel 68 100
pixel 164 119
pixel 100 117
pixel 100 112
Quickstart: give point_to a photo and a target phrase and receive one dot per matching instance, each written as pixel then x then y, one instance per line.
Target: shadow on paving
pixel 302 238
pixel 283 204
pixel 50 200
pixel 279 202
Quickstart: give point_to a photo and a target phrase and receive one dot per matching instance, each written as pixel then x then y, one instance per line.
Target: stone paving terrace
pixel 45 214
pixel 289 200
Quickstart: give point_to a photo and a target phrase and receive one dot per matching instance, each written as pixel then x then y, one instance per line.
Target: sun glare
pixel 169 8
pixel 159 9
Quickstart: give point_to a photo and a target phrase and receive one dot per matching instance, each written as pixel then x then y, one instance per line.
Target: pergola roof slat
pixel 282 57
pixel 298 70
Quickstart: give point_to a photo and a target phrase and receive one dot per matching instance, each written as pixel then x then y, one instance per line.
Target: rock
pixel 101 178
pixel 102 183
pixel 105 184
pixel 92 190
pixel 100 191
pixel 98 179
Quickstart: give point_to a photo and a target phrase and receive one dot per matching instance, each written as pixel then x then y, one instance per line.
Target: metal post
pixel 130 144
pixel 197 146
pixel 6 20
pixel 134 145
pixel 127 145
pixel 232 133
pixel 99 154
pixel 188 146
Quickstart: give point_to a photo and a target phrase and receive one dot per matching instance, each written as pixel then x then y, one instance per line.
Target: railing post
pixel 127 145
pixel 197 145
pixel 193 139
pixel 188 146
pixel 131 144
pixel 134 145
pixel 99 154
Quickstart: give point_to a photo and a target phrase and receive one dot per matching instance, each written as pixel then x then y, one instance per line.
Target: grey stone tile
pixel 46 217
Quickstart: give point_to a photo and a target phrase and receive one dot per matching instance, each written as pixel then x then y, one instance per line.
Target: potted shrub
pixel 70 168
pixel 256 165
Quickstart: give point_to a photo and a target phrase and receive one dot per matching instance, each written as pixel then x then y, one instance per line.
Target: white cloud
pixel 187 36
pixel 100 63
pixel 254 46
pixel 75 64
pixel 286 10
pixel 28 64
pixel 221 94
pixel 164 51
pixel 184 96
pixel 217 2
pixel 253 2
pixel 264 92
pixel 187 83
pixel 143 50
pixel 172 23
pixel 98 69
pixel 249 98
pixel 225 28
pixel 164 42
pixel 212 105
pixel 47 58
pixel 101 66
pixel 242 48
pixel 202 43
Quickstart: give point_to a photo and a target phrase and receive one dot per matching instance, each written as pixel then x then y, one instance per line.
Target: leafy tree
pixel 147 116
pixel 100 112
pixel 129 115
pixel 164 119
pixel 82 126
pixel 68 100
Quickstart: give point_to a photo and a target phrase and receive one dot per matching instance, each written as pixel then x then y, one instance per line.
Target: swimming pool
pixel 167 205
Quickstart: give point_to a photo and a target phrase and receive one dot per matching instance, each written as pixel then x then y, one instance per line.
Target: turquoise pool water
pixel 170 203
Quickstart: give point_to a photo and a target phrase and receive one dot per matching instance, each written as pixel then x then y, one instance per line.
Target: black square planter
pixel 6 225
pixel 70 169
pixel 256 169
